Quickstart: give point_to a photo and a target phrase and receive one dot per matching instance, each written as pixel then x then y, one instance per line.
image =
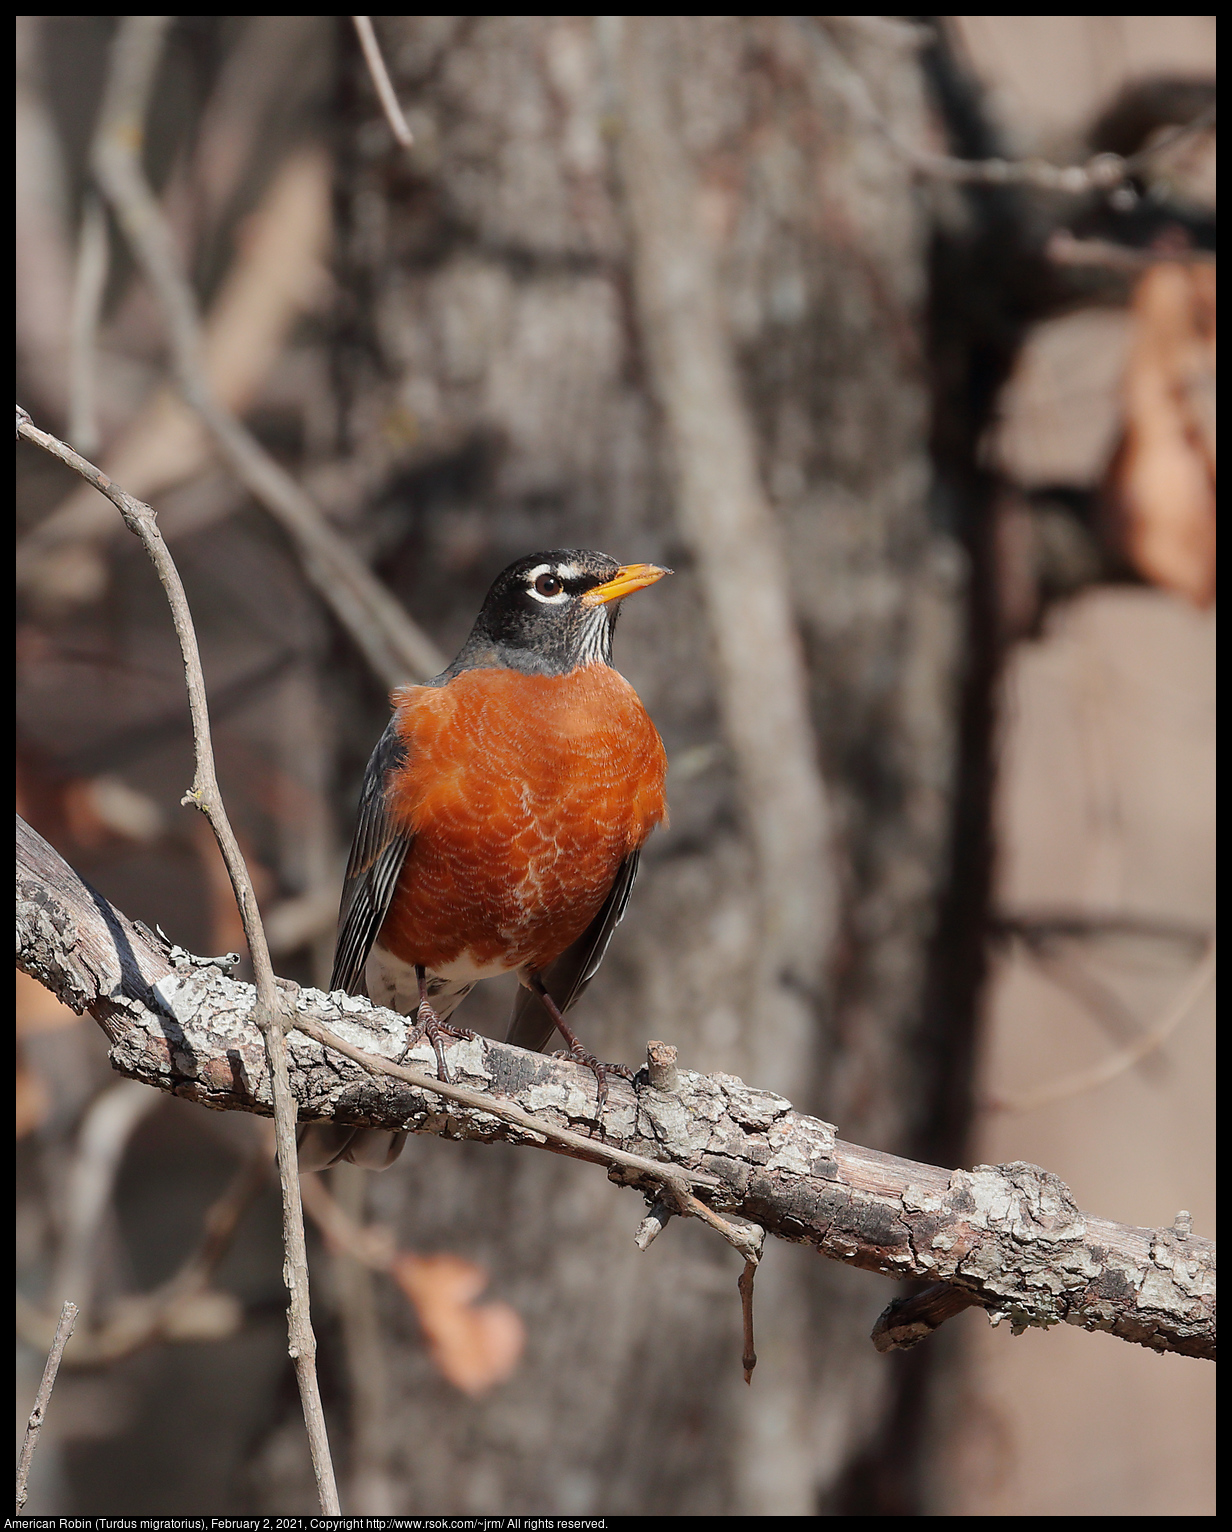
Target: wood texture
pixel 1010 1237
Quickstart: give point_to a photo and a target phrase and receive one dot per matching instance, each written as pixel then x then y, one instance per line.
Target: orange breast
pixel 523 794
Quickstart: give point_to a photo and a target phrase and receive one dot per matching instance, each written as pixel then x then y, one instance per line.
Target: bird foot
pixel 428 1024
pixel 600 1070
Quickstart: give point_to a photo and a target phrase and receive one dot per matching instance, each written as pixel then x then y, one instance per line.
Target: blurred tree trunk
pixel 498 386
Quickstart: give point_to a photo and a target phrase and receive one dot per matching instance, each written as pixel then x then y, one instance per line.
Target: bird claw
pixel 600 1070
pixel 428 1024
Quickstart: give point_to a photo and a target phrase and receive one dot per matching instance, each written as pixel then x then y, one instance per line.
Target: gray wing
pixel 377 854
pixel 530 1026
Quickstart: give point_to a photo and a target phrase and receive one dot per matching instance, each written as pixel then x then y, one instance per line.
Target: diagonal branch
pixel 396 648
pixel 68 1317
pixel 380 79
pixel 1008 1238
pixel 267 1012
pixel 727 519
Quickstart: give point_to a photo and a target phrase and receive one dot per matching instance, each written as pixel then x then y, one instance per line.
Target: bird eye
pixel 549 585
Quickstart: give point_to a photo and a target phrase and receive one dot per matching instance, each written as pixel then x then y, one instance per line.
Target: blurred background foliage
pixel 983 425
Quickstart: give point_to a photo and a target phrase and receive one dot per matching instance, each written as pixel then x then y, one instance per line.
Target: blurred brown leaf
pixel 1161 484
pixel 31 1095
pixel 475 1346
pixel 38 1010
pixel 102 809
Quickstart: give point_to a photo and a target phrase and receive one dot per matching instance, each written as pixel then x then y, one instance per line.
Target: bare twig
pixel 380 78
pixel 89 285
pixel 653 1224
pixel 583 1147
pixel 1065 249
pixel 1124 1058
pixel 747 1238
pixel 68 1317
pixel 1102 172
pixel 727 519
pixel 205 795
pixel 396 647
pixel 367 1359
pixel 1011 1235
pixel 105 1130
pixel 1035 926
pixel 341 1222
pixel 183 1307
pixel 42 265
pixel 1099 1000
pixel 749 1359
pixel 274 276
pixel 908 1321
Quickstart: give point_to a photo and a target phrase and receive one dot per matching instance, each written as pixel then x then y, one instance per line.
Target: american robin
pixel 501 820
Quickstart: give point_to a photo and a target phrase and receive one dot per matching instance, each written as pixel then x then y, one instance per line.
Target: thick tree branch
pixel 1008 1238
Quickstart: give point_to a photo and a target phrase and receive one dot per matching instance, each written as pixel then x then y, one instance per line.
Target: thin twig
pixel 395 647
pixel 68 1317
pixel 749 1359
pixel 1102 172
pixel 367 1351
pixel 593 1149
pixel 89 285
pixel 1125 1058
pixel 748 1238
pixel 380 78
pixel 726 517
pixel 170 1311
pixel 372 1245
pixel 907 1321
pixel 110 1121
pixel 1099 1000
pixel 205 795
pixel 1066 249
pixel 1045 924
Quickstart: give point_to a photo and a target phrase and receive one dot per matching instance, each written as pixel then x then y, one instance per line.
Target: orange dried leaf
pixel 475 1346
pixel 1163 478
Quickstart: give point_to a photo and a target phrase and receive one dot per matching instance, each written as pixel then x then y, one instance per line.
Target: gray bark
pixel 503 387
pixel 506 278
pixel 1009 1238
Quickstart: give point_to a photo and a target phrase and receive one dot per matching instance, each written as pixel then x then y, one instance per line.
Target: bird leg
pixel 576 1051
pixel 428 1024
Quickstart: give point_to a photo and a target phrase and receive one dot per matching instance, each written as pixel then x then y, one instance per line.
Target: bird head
pixel 549 613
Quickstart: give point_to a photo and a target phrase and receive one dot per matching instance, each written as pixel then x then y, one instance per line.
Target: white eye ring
pixel 533 576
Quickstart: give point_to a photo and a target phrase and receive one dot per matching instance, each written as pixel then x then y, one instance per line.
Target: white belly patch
pixel 393 983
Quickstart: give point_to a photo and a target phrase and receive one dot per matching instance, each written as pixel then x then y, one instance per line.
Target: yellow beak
pixel 627 579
